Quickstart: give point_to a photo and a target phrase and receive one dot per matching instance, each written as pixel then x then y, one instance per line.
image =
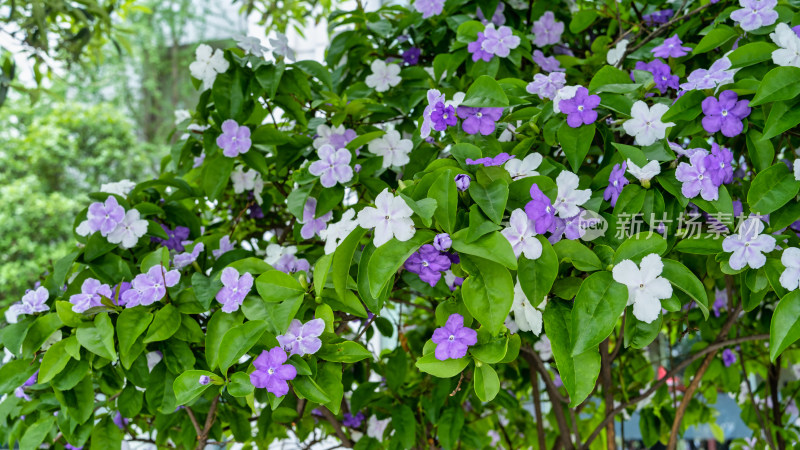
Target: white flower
pixel 392 147
pixel 458 97
pixel 153 358
pixel 275 252
pixel 524 168
pixel 526 316
pixel 280 46
pixel 251 45
pixel 790 278
pixel 337 232
pixel 789 52
pixel 129 230
pixel 797 169
pixel 614 56
pixel 391 217
pixel 645 124
pixel 646 173
pixel 383 76
pixel 511 130
pixel 645 285
pixel 544 348
pixel 747 246
pixel 375 427
pixel 565 93
pixel 521 235
pixel 208 64
pixel 569 196
pixel 121 188
pixel 182 115
pixel 83 228
pixel 247 181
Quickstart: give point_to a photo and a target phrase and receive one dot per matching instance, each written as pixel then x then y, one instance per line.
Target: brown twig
pixel 773 379
pixel 194 420
pixel 537 406
pixel 202 438
pixel 753 402
pixel 556 399
pixel 608 393
pixel 337 427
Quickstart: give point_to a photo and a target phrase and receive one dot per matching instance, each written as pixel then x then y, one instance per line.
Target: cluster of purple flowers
pixel 658 17
pixel 272 372
pixel 176 238
pixel 431 260
pixel 493 42
pixel 662 74
pixel 706 172
pixel 148 288
pixel 113 223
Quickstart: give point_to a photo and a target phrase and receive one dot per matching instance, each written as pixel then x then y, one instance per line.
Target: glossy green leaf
pixel 488 291
pixel 599 303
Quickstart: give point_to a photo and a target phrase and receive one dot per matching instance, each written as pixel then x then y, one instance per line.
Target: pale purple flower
pixel 719 74
pixel 497 18
pixel 289 263
pixel 91 295
pixel 148 288
pixel 198 160
pixel 479 120
pixel 333 166
pixel 442 242
pixel 547 30
pixel 182 260
pixel 498 160
pixel 728 357
pixel 337 137
pixel 755 14
pixel 580 108
pixel 725 114
pixel 477 51
pixel 411 56
pixel 662 76
pixel 748 245
pixel 352 421
pixel 128 230
pixel 120 421
pixel 540 210
pixel 718 165
pixel 235 139
pixel 547 63
pixel 696 179
pixel 434 97
pixel 499 41
pixel 429 8
pixel 204 380
pixel 225 245
pixel 35 301
pixel 462 181
pixel 235 289
pixel 521 235
pixel 451 280
pixel 453 339
pixel 104 217
pixel 659 17
pixel 312 225
pixel 302 338
pixel 20 393
pixel 616 181
pixel 671 48
pixel 546 86
pixel 118 290
pixel 720 302
pixel 272 373
pixel 428 263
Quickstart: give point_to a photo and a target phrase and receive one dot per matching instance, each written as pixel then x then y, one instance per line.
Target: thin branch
pixel 192 417
pixel 557 400
pixel 753 402
pixel 337 427
pixel 537 406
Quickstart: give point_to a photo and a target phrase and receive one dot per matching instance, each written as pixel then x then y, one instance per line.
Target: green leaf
pixel 683 278
pixel 240 385
pixel 445 193
pixel 639 334
pixel 405 425
pixel 485 92
pixel 14 373
pixel 238 341
pixel 99 339
pixel 423 208
pixel 487 383
pixel 492 246
pixel 346 352
pixel 130 401
pixel 640 245
pixel 43 327
pixel 704 244
pixel 277 286
pixel 688 107
pixel 578 255
pixel 67 315
pixel 187 386
pixel 97 246
pixel 54 360
pixel 752 53
pixel 205 288
pixel 608 75
pixel 105 435
pixel 442 369
pixel 582 20
pixel 488 292
pixel 317 70
pixel 491 199
pixel 166 323
pixel 375 304
pixel 599 303
pixel 36 433
pixel 131 323
pixel 321 269
pixel 450 425
pixel 389 257
pixel 489 349
pixel 715 39
pixel 783 116
pixel 771 189
pixel 306 387
pixel 343 258
pixel 536 277
pixel 778 84
pixel 329 378
pixel 784 329
pixel 761 151
pixel 576 142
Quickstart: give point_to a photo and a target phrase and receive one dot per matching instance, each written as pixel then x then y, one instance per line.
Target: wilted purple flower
pixel 720 302
pixel 235 139
pixel 428 263
pixel 718 165
pixel 540 210
pixel 302 338
pixel 312 225
pixel 333 166
pixel 204 380
pixel 696 179
pixel 90 296
pixel 411 56
pixel 104 217
pixel 497 18
pixel 725 114
pixel 671 48
pixel 442 242
pixel 479 120
pixel 499 41
pixel 148 288
pixel 547 63
pixel 580 108
pixel 462 181
pixel 755 14
pixel 182 260
pixel 546 86
pixel 352 421
pixel 289 263
pixel 235 289
pixel 498 160
pixel 225 245
pixel 547 30
pixel 120 421
pixel 477 51
pixel 175 237
pixel 616 181
pixel 658 17
pixel 728 357
pixel 453 339
pixel 662 75
pixel 272 373
pixel 443 116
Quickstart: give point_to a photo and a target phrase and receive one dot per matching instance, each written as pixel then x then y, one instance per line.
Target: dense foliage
pixel 450 223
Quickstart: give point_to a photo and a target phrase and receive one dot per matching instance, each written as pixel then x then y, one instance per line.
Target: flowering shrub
pixel 524 209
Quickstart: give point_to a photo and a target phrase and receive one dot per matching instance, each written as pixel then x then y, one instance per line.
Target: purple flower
pixel 479 120
pixel 540 210
pixel 755 14
pixel 671 48
pixel 573 228
pixel 288 263
pixel 352 421
pixel 725 114
pixel 442 242
pixel 204 380
pixel 547 63
pixel 198 160
pixel 718 74
pixel 453 339
pixel 696 179
pixel 20 393
pixel 312 226
pixel 175 237
pixel 443 117
pixel 182 260
pixel 499 41
pixel 498 160
pixel 104 217
pixel 235 139
pixel 658 17
pixel 225 245
pixel 547 30
pixel 662 76
pixel 272 373
pixel 580 108
pixel 90 296
pixel 477 51
pixel 462 181
pixel 234 290
pixel 616 181
pixel 428 263
pixel 148 288
pixel 69 446
pixel 118 290
pixel 411 56
pixel 120 421
pixel 337 137
pixel 31 380
pixel 720 302
pixel 728 357
pixel 35 301
pixel 302 338
pixel 333 166
pixel 497 18
pixel 718 165
pixel 452 280
pixel 546 86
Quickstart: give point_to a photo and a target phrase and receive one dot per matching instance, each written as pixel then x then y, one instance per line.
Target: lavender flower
pixel 104 217
pixel 235 139
pixel 311 225
pixel 120 421
pixel 91 295
pixel 333 166
pixel 289 263
pixel 272 373
pixel 540 210
pixel 497 18
pixel 671 48
pixel 755 14
pixel 337 137
pixel 477 51
pixel 718 165
pixel 696 180
pixel 225 245
pixel 748 245
pixel 184 259
pixel 546 86
pixel 580 108
pixel 498 160
pixel 235 289
pixel 442 242
pixel 616 181
pixel 499 41
pixel 662 75
pixel 302 338
pixel 462 181
pixel 148 288
pixel 352 421
pixel 547 30
pixel 720 302
pixel 547 63
pixel 411 56
pixel 479 120
pixel 118 290
pixel 453 339
pixel 728 357
pixel 725 114
pixel 428 263
pixel 429 8
pixel 720 73
pixel 175 238
pixel 204 380
pixel 443 116
pixel 658 17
